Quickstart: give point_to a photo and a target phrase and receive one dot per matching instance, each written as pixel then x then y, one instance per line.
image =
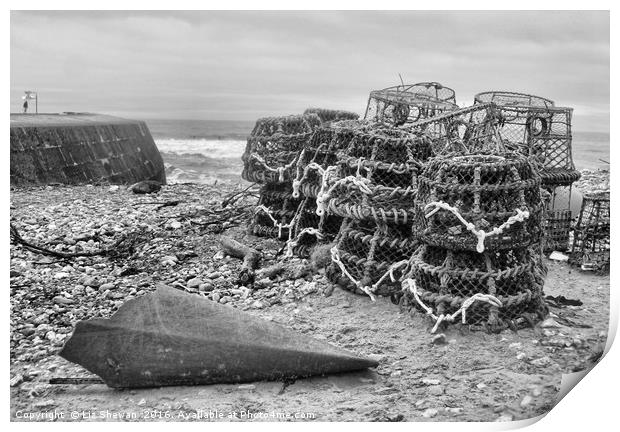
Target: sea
pixel 207 151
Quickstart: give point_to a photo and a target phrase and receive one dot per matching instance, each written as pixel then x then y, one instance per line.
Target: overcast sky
pixel 243 65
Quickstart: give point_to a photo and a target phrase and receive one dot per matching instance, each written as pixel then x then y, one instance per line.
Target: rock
pixel 194 283
pixel 246 387
pixel 45 403
pixel 91 281
pixel 379 358
pixel 453 410
pixel 481 386
pixel 142 402
pixel 145 187
pixel 61 275
pixel 504 418
pixel 541 362
pixel 258 304
pixel 521 356
pixel 526 401
pixel 435 390
pixel 386 391
pixel 537 392
pixel 558 256
pixel 114 188
pixel 396 373
pixel 106 286
pixel 430 381
pixel 420 403
pixel 62 300
pixel 263 283
pixel 215 297
pixel 515 345
pixel 169 260
pixel 550 323
pixel 206 287
pixel 17 380
pixel 430 413
pixel 439 339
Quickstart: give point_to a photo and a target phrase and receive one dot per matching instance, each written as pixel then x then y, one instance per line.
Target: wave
pixel 216 149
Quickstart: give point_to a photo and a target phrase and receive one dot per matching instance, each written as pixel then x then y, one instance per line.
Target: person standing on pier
pixel 25 106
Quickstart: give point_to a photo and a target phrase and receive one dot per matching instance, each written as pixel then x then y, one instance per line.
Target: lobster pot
pixel 557 227
pixel 445 280
pixel 495 194
pixel 592 233
pixel 328 115
pixel 405 104
pixel 377 176
pixel 367 250
pixel 466 130
pixel 274 145
pixel 275 210
pixel 535 127
pixel 310 229
pixel 321 153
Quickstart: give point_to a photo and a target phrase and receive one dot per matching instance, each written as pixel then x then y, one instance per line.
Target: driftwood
pixel 251 258
pixel 271 271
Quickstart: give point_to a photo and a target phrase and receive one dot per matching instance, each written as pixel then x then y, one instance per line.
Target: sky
pixel 241 65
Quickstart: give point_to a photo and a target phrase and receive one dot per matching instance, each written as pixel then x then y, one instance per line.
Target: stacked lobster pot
pixel 269 159
pixel 535 127
pixel 372 188
pixel 409 103
pixel 478 222
pixel 592 233
pixel 311 227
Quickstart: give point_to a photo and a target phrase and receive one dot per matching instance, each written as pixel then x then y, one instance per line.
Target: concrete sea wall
pixel 77 148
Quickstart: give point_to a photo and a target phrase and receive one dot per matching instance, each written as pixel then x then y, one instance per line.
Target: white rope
pixel 276 224
pixel 279 170
pixel 324 195
pixel 410 285
pixel 480 234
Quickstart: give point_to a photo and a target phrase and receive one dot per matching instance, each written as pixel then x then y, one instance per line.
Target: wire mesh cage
pixel 534 126
pixel 275 211
pixel 309 229
pixel 369 257
pixel 402 104
pixel 376 176
pixel 591 243
pixel 492 290
pixel 479 202
pixel 465 130
pixel 557 229
pixel 274 145
pixel 329 115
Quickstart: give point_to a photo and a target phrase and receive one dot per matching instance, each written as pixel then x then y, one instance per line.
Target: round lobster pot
pixel 328 115
pixel 367 250
pixel 274 145
pixel 376 177
pixel 495 194
pixel 445 280
pixel 321 153
pixel 406 104
pixel 310 229
pixel 275 210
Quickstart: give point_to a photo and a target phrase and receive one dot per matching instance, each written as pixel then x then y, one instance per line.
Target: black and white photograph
pixel 307 215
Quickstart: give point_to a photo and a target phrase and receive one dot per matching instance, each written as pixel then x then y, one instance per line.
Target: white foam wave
pixel 217 149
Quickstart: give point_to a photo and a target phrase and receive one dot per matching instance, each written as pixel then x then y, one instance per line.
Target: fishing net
pixel 467 130
pixel 310 229
pixel 535 127
pixel 479 202
pixel 376 176
pixel 557 221
pixel 405 104
pixel 369 257
pixel 274 145
pixel 321 153
pixel 492 290
pixel 591 243
pixel 328 115
pixel 274 212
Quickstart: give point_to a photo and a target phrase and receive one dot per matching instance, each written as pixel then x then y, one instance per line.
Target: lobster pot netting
pixel 535 127
pixel 321 153
pixel 376 176
pixel 494 290
pixel 369 257
pixel 479 202
pixel 274 212
pixel 310 229
pixel 557 227
pixel 401 105
pixel 466 130
pixel 274 145
pixel 328 115
pixel 592 234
